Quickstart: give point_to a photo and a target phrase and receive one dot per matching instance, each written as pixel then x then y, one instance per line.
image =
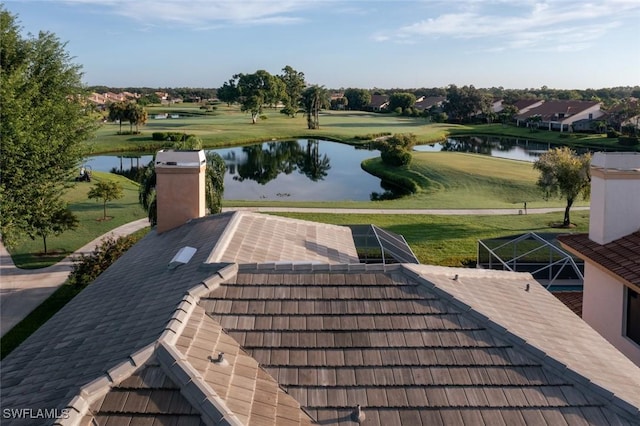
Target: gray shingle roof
pixel 124 311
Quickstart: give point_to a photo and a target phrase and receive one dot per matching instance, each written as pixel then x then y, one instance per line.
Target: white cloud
pixel 524 24
pixel 205 13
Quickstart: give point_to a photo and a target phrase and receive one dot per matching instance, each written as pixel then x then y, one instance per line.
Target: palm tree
pixel 314 98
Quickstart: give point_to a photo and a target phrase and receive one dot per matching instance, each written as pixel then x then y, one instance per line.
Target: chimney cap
pixel 180 158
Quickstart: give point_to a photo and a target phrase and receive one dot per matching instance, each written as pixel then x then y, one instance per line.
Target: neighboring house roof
pixel 572 299
pixel 558 110
pixel 427 103
pixel 378 101
pixel 524 104
pixel 305 341
pixel 619 257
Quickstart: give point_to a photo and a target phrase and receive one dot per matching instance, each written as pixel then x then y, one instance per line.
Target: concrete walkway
pixel 22 290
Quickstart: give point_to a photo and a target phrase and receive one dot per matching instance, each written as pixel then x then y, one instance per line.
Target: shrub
pixel 395 157
pixel 87 267
pixel 159 136
pixel 628 140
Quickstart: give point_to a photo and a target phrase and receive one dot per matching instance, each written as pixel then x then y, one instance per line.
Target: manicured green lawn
pixel 451 240
pixel 228 126
pixel 28 253
pixel 452 180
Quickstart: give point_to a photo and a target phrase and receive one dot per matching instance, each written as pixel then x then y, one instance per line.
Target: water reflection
pixel 303 170
pixel 510 148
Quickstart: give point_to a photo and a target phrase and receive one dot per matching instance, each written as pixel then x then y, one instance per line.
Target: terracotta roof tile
pixel 620 256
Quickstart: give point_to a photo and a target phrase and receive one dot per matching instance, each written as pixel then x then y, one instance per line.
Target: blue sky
pixel 564 44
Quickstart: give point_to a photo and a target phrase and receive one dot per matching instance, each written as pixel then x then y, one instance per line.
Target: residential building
pixel 611 251
pixel 424 103
pixel 561 114
pixel 378 103
pixel 243 318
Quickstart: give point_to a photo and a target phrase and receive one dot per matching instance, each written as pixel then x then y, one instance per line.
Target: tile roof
pixel 307 341
pixel 549 110
pixel 619 257
pixel 400 343
pixel 124 311
pixel 257 238
pixel 571 299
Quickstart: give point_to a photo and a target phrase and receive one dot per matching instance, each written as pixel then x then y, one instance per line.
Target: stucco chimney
pixel 615 196
pixel 180 184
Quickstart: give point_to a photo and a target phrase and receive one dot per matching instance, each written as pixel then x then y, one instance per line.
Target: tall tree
pixel 136 114
pixel 118 112
pixel 357 99
pixel 294 85
pixel 565 174
pixel 43 122
pixel 228 93
pixel 402 100
pixel 314 98
pixel 465 102
pixel 257 90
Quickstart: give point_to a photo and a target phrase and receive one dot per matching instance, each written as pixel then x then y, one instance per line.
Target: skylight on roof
pixel 183 256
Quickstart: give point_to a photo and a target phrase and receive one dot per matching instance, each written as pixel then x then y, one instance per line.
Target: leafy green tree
pixel 314 98
pixel 357 99
pixel 533 122
pixel 257 90
pixel 228 93
pixel 106 190
pixel 293 86
pixel 402 100
pixel 43 122
pixel 565 174
pixel 136 114
pixel 508 113
pixel 49 217
pixel 463 103
pixel 118 112
pixel 216 169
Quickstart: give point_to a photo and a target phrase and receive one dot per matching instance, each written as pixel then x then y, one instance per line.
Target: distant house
pixel 611 251
pixel 615 116
pixel 425 103
pixel 378 103
pixel 249 319
pixel 524 105
pixel 561 114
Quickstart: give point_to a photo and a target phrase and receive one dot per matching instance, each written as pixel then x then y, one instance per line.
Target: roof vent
pixel 183 256
pixel 358 415
pixel 220 360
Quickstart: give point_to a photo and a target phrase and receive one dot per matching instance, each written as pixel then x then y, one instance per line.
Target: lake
pixel 318 170
pixel 303 170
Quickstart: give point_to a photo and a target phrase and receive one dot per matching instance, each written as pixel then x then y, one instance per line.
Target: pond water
pixel 510 148
pixel 318 170
pixel 303 170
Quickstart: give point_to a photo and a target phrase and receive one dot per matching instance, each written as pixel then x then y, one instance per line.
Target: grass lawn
pixel 229 126
pixel 452 180
pixel 28 253
pixel 451 240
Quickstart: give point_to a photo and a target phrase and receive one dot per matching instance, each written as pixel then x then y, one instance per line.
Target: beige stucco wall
pixel 603 308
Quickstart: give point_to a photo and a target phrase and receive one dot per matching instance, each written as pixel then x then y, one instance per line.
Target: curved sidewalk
pixel 22 290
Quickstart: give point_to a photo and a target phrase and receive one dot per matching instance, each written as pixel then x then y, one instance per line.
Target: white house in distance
pixel 611 251
pixel 561 114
